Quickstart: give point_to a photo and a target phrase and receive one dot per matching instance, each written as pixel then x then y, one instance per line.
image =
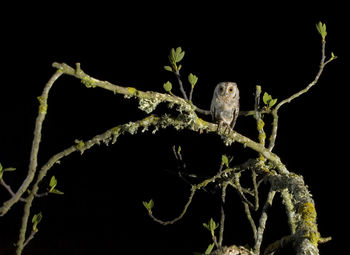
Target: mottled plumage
pixel 225 104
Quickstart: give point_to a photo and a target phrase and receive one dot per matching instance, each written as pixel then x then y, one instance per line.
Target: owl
pixel 225 104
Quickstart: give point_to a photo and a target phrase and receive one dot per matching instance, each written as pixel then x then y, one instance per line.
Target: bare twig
pixel 201 111
pixel 256 192
pixel 178 76
pixel 35 146
pixel 222 219
pixel 8 188
pixel 262 221
pixel 30 237
pixel 246 203
pixel 240 190
pixel 189 201
pixel 294 96
pixel 191 93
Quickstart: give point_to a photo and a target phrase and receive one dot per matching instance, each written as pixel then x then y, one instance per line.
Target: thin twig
pixel 177 73
pixel 262 221
pixel 191 93
pixel 8 188
pixel 246 203
pixel 222 219
pixel 250 219
pixel 256 192
pixel 204 112
pixel 30 237
pixel 240 190
pixel 274 112
pixel 189 201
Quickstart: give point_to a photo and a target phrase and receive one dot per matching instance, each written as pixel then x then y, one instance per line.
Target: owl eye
pixel 230 90
pixel 221 89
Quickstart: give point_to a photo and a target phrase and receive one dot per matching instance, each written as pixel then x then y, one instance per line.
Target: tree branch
pixel 189 201
pixel 35 146
pixel 303 206
pixel 177 73
pixel 149 100
pixel 222 219
pixel 8 188
pixel 274 112
pixel 262 221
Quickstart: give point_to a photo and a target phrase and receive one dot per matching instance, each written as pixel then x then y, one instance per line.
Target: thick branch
pixel 194 123
pixel 301 212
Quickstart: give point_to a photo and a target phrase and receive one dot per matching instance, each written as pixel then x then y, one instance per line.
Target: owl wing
pixel 235 113
pixel 213 109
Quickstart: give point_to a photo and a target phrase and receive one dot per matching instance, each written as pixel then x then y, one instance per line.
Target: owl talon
pixel 224 128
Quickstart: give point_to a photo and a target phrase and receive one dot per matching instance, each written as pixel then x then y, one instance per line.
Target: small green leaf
pixel 36 220
pixel 149 205
pixel 272 102
pixel 266 98
pixel 206 226
pixel 179 54
pixel 167 86
pixel 172 55
pixel 176 55
pixel 168 68
pixel 209 249
pixel 321 28
pixel 211 226
pixel 56 191
pixel 9 169
pixel 53 182
pixel 179 150
pixel 333 56
pixel 3 170
pixel 192 79
pixel 178 51
pixel 224 160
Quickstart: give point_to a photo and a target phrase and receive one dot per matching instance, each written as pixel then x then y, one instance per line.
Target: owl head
pixel 227 90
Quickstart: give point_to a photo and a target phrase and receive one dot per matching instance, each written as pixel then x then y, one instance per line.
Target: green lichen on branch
pixel 148 105
pixel 43 105
pixel 308 217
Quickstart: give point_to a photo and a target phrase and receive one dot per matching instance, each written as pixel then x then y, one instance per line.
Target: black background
pixel 276 46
